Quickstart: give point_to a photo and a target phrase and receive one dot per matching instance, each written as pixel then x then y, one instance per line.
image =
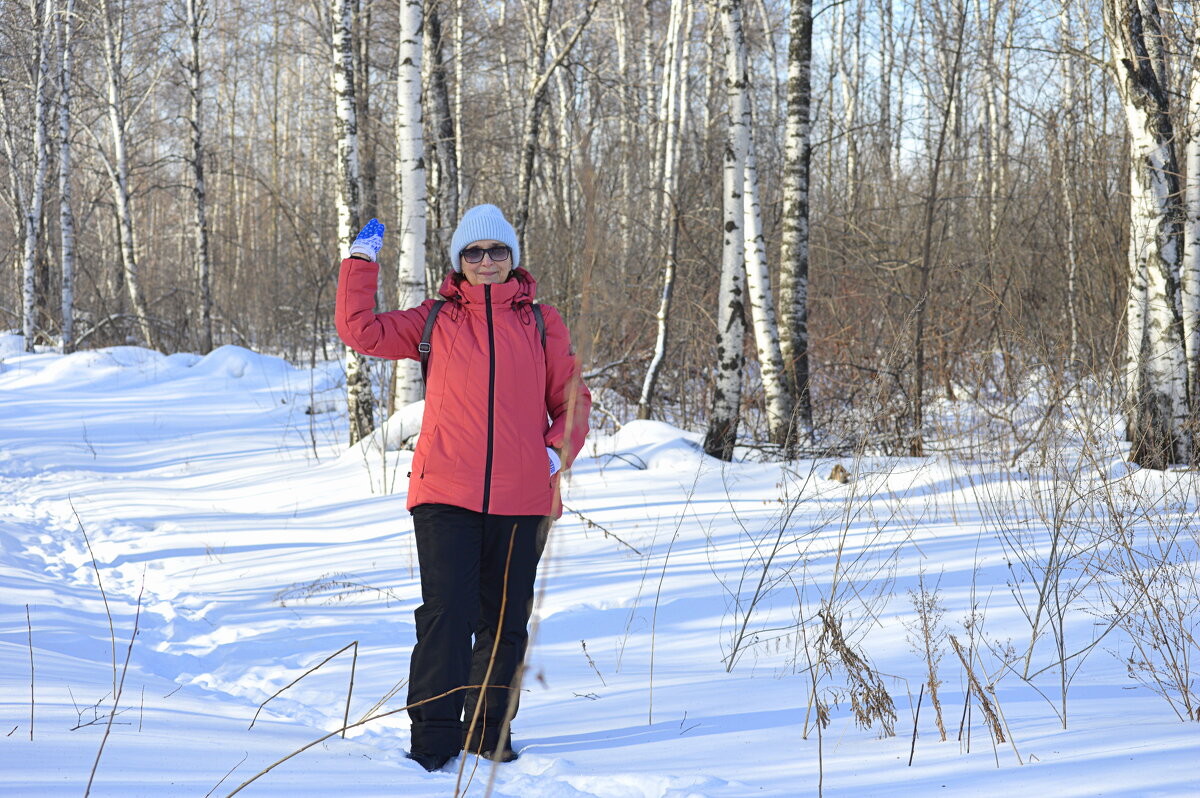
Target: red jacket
pixel 494 398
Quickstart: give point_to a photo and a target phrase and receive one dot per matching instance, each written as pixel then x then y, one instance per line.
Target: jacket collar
pixel 520 288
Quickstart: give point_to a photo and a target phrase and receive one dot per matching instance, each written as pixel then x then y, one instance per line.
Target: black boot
pixel 430 762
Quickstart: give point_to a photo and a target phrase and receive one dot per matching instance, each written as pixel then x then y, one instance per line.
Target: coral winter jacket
pixel 494 400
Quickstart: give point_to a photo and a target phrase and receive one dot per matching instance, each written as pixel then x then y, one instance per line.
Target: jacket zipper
pixel 487 468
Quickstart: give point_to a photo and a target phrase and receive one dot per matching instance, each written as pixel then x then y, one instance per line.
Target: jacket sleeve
pixel 394 334
pixel 568 401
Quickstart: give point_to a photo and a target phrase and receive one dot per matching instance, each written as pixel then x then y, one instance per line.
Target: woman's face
pixel 486 270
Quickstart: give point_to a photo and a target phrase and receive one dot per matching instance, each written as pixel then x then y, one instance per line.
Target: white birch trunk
pixel 793 277
pixel 360 401
pixel 1067 66
pixel 762 304
pixel 196 12
pixel 731 316
pixel 1190 277
pixel 1156 371
pixel 32 211
pixel 64 23
pixel 410 173
pixel 669 218
pixel 118 165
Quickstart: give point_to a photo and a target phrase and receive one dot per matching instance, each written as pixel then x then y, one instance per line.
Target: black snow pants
pixel 462 557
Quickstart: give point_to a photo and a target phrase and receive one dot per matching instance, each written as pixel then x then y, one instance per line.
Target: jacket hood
pixel 518 289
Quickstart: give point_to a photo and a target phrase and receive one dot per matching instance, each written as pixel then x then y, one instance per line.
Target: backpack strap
pixel 424 347
pixel 541 323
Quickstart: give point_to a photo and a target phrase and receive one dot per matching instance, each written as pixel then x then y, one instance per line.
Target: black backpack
pixel 425 348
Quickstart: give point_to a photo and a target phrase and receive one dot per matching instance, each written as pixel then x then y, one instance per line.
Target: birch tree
pixel 196 11
pixel 668 202
pixel 793 274
pixel 360 401
pixel 538 80
pixel 731 316
pixel 64 26
pixel 410 176
pixel 762 305
pixel 444 204
pixel 114 31
pixel 1155 369
pixel 1190 280
pixel 30 197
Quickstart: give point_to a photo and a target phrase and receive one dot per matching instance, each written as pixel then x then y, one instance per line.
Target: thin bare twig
pixel 912 749
pixel 117 698
pixel 95 567
pixel 29 627
pixel 353 645
pixel 487 676
pixel 338 731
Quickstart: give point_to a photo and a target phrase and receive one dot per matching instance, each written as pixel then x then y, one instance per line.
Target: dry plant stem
pixel 988 713
pixel 353 645
pixel 608 533
pixel 350 689
pixel 342 729
pixel 117 696
pixel 592 662
pixel 227 775
pixel 111 631
pixel 487 676
pixel 654 623
pixel 912 749
pixel 29 627
pixel 519 676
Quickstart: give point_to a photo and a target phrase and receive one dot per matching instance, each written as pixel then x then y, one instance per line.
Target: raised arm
pixel 392 335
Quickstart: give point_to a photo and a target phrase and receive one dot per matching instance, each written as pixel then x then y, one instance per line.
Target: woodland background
pixel 968 201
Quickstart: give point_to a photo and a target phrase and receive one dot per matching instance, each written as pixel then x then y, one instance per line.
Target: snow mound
pixel 652 445
pixel 97 368
pixel 235 362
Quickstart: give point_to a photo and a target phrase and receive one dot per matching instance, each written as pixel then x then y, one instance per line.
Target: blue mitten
pixel 555 461
pixel 369 241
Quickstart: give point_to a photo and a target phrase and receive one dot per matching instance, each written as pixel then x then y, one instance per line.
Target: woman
pixel 504 409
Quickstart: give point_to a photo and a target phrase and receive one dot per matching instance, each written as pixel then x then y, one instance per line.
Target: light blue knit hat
pixel 484 222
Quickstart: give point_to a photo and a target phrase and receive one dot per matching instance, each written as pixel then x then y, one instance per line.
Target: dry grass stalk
pixel 985 706
pixel 869 698
pixel 316 667
pixel 342 730
pixel 592 662
pixel 117 696
pixel 111 631
pixel 926 640
pixel 487 675
pixel 29 627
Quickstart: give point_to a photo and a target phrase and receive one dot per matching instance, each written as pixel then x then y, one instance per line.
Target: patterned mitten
pixel 369 241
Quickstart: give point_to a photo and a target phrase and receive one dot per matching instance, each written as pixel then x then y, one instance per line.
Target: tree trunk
pixel 762 305
pixel 410 174
pixel 538 79
pixel 118 165
pixel 1156 368
pixel 196 13
pixel 731 315
pixel 793 277
pixel 39 22
pixel 64 23
pixel 445 205
pixel 360 401
pixel 669 221
pixel 1190 278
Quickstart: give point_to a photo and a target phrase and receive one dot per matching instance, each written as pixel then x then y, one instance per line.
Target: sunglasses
pixel 475 254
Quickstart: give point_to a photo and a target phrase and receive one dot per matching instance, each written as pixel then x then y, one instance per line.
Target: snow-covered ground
pixel 256 545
